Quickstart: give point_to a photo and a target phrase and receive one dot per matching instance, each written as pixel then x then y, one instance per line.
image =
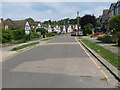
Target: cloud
pixel 50 10
pixel 96 11
pixel 0 10
pixel 58 0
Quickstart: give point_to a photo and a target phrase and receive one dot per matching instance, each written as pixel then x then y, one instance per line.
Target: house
pixel 49 28
pixel 1 23
pixel 70 29
pixel 104 19
pixel 57 29
pixel 117 7
pixel 28 26
pixel 114 9
pixel 10 24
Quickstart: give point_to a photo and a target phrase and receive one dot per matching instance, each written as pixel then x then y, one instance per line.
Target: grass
pixel 114 59
pixel 24 46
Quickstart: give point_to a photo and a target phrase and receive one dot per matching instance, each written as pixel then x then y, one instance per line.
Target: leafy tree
pixel 115 26
pixel 88 28
pixel 47 22
pixel 42 31
pixel 30 19
pixel 86 20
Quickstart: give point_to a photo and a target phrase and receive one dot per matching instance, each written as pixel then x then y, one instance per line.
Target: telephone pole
pixel 78 22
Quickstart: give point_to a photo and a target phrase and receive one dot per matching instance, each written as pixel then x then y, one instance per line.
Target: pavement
pixel 6 51
pixel 59 63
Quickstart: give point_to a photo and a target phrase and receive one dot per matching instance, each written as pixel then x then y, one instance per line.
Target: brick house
pixel 10 24
pixel 2 23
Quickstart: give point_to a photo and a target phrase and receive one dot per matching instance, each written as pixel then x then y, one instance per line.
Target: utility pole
pixel 78 22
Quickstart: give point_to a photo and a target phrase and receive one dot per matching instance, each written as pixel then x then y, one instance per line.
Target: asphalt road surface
pixel 60 63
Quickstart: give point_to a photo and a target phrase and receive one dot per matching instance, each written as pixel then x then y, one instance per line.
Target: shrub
pixel 7 36
pixel 88 29
pixel 42 31
pixel 34 35
pixel 107 39
pixel 18 41
pixel 50 34
pixel 18 34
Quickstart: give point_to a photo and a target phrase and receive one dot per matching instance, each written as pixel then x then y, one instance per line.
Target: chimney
pixel 2 23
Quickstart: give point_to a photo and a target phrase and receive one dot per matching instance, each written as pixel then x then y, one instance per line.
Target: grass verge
pixel 24 46
pixel 114 59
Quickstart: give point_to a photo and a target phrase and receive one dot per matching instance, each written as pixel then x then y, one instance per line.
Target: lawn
pixel 24 46
pixel 114 59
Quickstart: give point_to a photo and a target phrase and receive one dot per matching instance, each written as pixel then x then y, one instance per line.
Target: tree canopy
pixel 115 22
pixel 42 31
pixel 62 21
pixel 115 26
pixel 30 19
pixel 87 19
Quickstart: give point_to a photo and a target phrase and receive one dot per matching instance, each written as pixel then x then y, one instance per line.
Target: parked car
pixel 73 33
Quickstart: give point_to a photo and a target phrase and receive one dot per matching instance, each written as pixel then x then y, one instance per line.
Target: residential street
pixel 60 63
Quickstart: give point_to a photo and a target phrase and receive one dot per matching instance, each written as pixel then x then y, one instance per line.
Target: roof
pixel 19 23
pixel 112 5
pixel 9 23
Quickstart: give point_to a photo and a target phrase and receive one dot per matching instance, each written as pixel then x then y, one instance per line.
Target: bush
pixel 50 34
pixel 7 36
pixel 18 41
pixel 18 34
pixel 42 31
pixel 34 35
pixel 107 39
pixel 88 29
pixel 55 32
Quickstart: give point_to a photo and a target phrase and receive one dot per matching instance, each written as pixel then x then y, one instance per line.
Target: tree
pixel 42 31
pixel 30 20
pixel 88 28
pixel 47 22
pixel 115 26
pixel 86 20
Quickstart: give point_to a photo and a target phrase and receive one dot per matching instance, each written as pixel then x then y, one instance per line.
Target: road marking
pixel 101 70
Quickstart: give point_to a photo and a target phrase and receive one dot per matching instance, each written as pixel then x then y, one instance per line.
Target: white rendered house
pixel 39 26
pixel 70 29
pixel 49 28
pixel 27 28
pixel 64 29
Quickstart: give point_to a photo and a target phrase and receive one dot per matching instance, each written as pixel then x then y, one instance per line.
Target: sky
pixel 41 11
